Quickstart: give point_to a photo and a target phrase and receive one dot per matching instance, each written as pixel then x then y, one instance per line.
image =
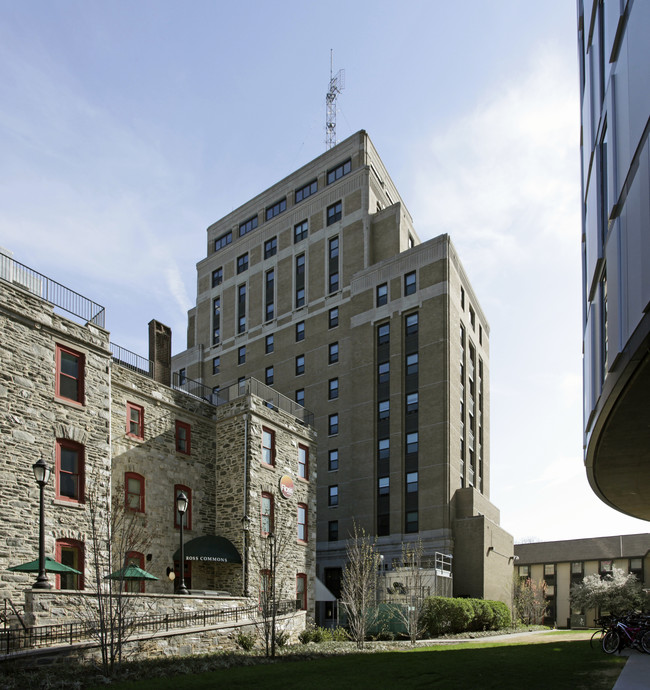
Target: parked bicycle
pixel 627 631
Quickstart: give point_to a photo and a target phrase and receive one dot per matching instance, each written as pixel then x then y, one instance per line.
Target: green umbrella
pixel 51 566
pixel 131 572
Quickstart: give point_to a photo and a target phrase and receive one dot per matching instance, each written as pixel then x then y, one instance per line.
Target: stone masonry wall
pixel 32 418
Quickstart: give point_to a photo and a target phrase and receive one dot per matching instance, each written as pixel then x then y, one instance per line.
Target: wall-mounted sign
pixel 286 486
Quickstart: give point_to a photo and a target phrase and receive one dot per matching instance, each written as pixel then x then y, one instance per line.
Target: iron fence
pixel 129 360
pixel 69 633
pixel 60 296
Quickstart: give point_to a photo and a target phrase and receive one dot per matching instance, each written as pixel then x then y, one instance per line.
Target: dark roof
pixel 597 548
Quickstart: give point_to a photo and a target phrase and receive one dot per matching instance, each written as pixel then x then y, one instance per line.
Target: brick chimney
pixel 160 351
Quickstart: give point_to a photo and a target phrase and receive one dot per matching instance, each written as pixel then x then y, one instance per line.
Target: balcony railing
pixel 130 360
pixel 51 291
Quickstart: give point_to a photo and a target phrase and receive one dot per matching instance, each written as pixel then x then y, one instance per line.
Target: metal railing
pixel 194 388
pixel 60 296
pixel 130 360
pixel 271 398
pixel 69 633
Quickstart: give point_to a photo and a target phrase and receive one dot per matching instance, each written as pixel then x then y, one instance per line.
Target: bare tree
pixel 270 557
pixel 115 532
pixel 529 600
pixel 359 587
pixel 409 604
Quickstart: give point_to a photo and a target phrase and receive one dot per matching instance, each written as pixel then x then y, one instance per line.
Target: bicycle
pixel 604 625
pixel 627 631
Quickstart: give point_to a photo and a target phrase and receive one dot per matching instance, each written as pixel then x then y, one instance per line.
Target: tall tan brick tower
pixel 320 287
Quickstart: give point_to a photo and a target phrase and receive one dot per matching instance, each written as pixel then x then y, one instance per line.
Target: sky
pixel 127 128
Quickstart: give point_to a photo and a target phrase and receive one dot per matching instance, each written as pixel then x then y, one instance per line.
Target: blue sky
pixel 126 128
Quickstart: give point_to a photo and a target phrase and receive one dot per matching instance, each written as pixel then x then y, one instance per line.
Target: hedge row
pixel 444 615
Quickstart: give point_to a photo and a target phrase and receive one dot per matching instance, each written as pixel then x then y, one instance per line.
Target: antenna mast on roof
pixel 337 84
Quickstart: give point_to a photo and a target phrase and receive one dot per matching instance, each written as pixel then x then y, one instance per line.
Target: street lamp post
pixel 42 476
pixel 181 506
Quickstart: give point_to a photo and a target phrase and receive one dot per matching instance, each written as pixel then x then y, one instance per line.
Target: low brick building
pixel 114 430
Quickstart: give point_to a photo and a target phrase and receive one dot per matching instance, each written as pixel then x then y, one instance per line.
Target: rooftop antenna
pixel 337 84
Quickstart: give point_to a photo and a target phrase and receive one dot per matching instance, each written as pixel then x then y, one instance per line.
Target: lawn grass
pixel 555 663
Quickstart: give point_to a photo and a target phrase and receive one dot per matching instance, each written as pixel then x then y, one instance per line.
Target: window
pixel 268 376
pixel 69 471
pixel 301 591
pixel 412 400
pixel 183 438
pixel 412 364
pixel 303 461
pixel 187 515
pixel 383 486
pixel 333 460
pixel 182 377
pixel 334 213
pixel 216 320
pixel 300 396
pixel 302 522
pixel 333 530
pixel 269 344
pixel 383 334
pixel 411 521
pixel 242 263
pixel 383 372
pixel 222 241
pixel 268 446
pixel 217 276
pixel 383 409
pixel 266 514
pixel 339 171
pixel 333 391
pixel 412 324
pixel 300 331
pixel 300 365
pixel 137 559
pixel 462 298
pixel 241 308
pixel 300 231
pixel 333 317
pixel 270 247
pixel 247 226
pixel 412 442
pixel 411 482
pixel 269 295
pixel 382 294
pixel 70 552
pixel 306 190
pixel 300 281
pixel 472 317
pixel 134 492
pixel 333 424
pixel 333 249
pixel 409 283
pixel 333 495
pixel 277 208
pixel 383 449
pixel 134 420
pixel 69 374
pixel 216 365
pixel 241 355
pixel 333 356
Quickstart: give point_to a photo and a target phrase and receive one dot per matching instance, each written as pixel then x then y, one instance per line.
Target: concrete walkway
pixel 636 672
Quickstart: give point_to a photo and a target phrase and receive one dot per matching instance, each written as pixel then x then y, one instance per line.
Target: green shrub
pixel 305 636
pixel 339 634
pixel 445 615
pixel 245 641
pixel 282 638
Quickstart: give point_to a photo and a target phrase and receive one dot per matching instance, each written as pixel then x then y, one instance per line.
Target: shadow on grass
pixel 555 664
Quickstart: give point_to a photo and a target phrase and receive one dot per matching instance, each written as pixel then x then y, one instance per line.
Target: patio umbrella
pixel 51 566
pixel 131 572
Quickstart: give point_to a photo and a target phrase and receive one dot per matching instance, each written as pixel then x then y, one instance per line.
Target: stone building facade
pixel 320 287
pixel 119 434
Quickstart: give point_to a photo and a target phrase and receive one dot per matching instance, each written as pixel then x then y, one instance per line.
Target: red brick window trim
pixel 268 446
pixel 134 492
pixel 187 519
pixel 134 420
pixel 301 591
pixel 183 438
pixel 70 552
pixel 70 471
pixel 134 558
pixel 266 514
pixel 302 523
pixel 69 375
pixel 303 462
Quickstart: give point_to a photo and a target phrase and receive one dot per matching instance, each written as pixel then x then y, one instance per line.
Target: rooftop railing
pixel 130 360
pixel 60 296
